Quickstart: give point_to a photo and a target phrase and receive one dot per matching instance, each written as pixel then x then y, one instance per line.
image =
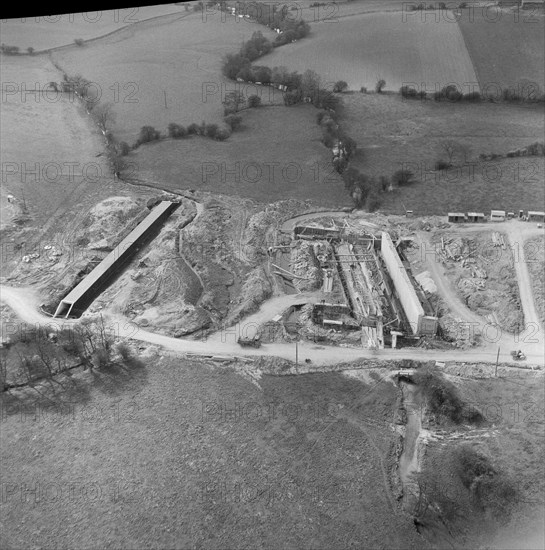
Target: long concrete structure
pixel 419 322
pixel 86 290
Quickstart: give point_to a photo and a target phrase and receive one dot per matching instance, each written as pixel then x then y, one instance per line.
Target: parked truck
pixel 254 342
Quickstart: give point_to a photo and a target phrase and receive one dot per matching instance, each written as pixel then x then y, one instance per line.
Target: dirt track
pixel 531 339
pixel 24 302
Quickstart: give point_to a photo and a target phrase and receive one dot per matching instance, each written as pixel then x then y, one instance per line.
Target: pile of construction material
pixel 463 251
pixel 455 249
pixel 498 240
pixel 305 267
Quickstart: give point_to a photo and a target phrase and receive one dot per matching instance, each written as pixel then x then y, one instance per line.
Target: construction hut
pixel 532 4
pixel 456 217
pixel 475 217
pixel 497 215
pixel 536 216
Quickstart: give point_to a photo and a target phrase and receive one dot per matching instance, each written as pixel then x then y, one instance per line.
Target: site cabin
pixel 532 4
pixel 536 216
pixel 475 217
pixel 456 217
pixel 497 215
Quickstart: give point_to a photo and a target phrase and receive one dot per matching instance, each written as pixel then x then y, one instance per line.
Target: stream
pixel 408 461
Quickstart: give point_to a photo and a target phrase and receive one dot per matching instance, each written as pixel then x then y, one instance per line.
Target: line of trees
pixel 37 354
pixel 233 102
pixel 273 16
pixel 15 50
pixel 103 115
pixel 524 91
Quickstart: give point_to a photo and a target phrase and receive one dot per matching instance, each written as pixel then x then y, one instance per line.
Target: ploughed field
pixel 505 46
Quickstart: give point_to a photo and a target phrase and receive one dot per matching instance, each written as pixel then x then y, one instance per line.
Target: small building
pixel 475 217
pixel 497 215
pixel 532 4
pixel 456 217
pixel 535 216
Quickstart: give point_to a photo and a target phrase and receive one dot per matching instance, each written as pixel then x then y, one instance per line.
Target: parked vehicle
pixel 254 342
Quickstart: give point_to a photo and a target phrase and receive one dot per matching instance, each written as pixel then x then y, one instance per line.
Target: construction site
pixel 364 286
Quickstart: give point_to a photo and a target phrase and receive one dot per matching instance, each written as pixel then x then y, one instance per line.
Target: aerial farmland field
pixel 244 308
pixel 393 133
pixel 45 170
pixel 45 32
pixel 260 161
pixel 174 62
pixel 505 46
pixel 365 48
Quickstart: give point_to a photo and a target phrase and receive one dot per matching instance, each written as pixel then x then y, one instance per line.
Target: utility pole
pixel 497 359
pixel 165 96
pixel 296 354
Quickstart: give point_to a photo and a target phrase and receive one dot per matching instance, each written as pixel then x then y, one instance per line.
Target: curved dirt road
pixel 532 338
pixel 24 302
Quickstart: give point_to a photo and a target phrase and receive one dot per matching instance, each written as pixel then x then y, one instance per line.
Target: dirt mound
pixel 105 222
pixel 255 290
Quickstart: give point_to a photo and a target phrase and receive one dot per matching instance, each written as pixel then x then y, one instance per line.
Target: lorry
pixel 254 342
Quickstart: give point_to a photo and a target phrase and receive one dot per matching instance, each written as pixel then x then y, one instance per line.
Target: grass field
pixel 48 144
pixel 392 133
pixel 362 49
pixel 176 59
pixel 276 155
pixel 298 465
pixel 513 442
pixel 58 30
pixel 505 50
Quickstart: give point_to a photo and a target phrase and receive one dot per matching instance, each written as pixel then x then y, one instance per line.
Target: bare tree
pixel 104 114
pixel 455 150
pixel 310 84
